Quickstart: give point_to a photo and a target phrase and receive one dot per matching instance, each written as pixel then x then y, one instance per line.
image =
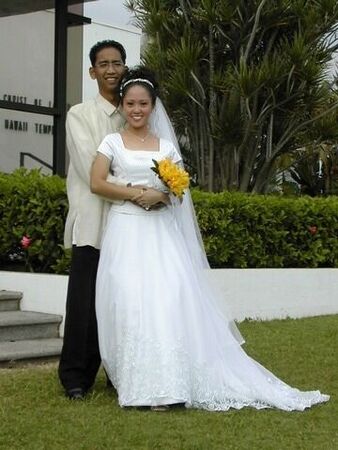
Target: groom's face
pixel 107 70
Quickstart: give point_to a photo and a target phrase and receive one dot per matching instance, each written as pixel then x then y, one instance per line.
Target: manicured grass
pixel 35 414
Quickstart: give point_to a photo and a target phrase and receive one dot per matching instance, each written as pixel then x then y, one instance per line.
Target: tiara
pixel 135 80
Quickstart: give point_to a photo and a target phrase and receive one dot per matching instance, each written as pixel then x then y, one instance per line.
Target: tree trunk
pixel 212 109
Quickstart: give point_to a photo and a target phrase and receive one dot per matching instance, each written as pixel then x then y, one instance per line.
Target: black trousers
pixel 80 357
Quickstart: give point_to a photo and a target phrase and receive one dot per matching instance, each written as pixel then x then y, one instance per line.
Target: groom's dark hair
pixel 106 44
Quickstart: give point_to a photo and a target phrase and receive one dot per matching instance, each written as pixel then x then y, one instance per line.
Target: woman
pixel 162 337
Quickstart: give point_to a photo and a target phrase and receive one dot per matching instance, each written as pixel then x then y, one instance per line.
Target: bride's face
pixel 137 106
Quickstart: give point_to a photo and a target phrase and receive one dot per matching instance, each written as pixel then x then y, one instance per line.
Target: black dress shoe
pixel 76 394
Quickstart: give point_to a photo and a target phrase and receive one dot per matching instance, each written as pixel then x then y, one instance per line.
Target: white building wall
pixel 26 75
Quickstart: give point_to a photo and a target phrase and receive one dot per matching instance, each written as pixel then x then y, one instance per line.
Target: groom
pixel 87 124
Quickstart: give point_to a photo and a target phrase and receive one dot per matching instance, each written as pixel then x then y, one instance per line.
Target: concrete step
pixel 28 350
pixel 9 300
pixel 22 325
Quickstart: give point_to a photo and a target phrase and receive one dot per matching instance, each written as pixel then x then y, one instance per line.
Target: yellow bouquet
pixel 173 177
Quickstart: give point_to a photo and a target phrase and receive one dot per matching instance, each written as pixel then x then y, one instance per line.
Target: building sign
pixel 23 126
pixel 16 125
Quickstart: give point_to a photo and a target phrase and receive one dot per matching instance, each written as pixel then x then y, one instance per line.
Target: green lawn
pixel 36 415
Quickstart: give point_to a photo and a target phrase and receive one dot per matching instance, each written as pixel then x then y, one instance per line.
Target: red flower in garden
pixel 25 242
pixel 313 230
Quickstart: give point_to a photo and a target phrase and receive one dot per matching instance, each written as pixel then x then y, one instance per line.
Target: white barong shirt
pixel 86 125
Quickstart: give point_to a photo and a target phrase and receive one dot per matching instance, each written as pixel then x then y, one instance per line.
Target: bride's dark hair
pixel 140 75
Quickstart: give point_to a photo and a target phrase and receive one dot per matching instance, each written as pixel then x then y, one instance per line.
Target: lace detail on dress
pixel 145 372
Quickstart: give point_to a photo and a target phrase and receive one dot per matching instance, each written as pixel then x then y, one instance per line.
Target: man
pixel 87 124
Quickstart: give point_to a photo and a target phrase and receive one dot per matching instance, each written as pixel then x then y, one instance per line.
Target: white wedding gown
pixel 162 339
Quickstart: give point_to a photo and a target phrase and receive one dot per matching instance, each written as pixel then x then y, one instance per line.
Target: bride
pixel 163 339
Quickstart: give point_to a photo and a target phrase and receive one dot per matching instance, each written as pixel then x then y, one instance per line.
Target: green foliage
pixel 241 230
pixel 34 205
pixel 315 169
pixel 243 81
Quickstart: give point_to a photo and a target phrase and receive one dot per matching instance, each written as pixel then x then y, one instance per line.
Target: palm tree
pixel 244 81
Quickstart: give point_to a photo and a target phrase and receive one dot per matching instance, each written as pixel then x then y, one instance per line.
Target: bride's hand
pixel 150 197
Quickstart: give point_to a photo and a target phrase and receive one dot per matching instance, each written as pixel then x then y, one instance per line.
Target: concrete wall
pixel 278 293
pixel 249 293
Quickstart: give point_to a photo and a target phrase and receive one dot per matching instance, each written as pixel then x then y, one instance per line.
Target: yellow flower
pixel 174 177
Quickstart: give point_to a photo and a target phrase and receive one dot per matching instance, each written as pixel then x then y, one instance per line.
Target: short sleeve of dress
pixel 107 146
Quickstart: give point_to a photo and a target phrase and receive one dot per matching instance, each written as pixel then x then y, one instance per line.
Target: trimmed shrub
pixel 34 205
pixel 239 230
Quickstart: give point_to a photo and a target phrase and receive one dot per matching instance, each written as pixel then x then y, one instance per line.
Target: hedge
pixel 34 205
pixel 243 231
pixel 239 230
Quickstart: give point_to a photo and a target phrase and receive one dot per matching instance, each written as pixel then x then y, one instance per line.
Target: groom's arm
pixel 82 146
